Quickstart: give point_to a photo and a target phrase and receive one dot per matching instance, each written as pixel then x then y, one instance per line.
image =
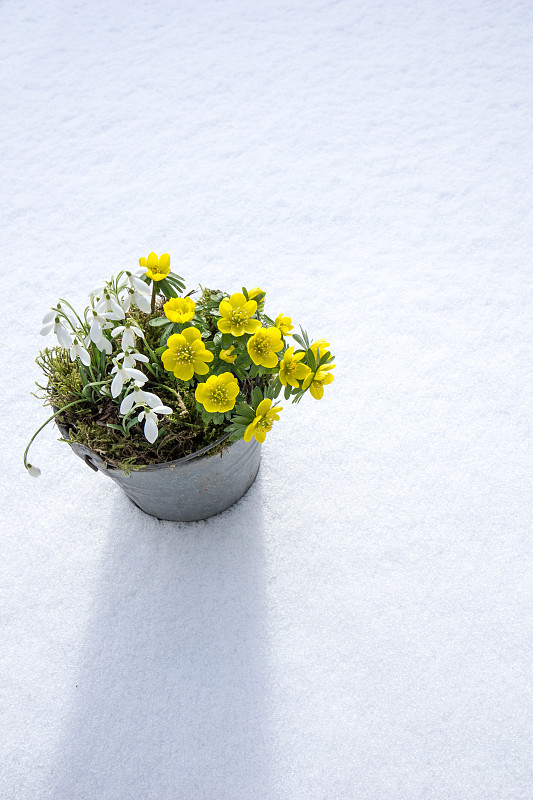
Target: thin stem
pixel 153 297
pixel 73 403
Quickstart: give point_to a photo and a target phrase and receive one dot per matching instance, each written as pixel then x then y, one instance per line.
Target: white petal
pixel 125 302
pixel 116 386
pixel 47 328
pixel 162 410
pixel 139 285
pixel 96 330
pixel 33 471
pixel 105 345
pixel 151 399
pixel 141 415
pixel 136 374
pixel 116 309
pixel 84 356
pixel 49 317
pixel 128 339
pixel 117 330
pixel 137 331
pixel 140 357
pixel 150 429
pixel 127 403
pixel 63 336
pixel 143 302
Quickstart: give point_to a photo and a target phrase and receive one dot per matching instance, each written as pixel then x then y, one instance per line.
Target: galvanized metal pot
pixel 190 488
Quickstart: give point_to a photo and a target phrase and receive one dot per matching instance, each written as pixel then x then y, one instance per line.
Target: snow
pixel 360 624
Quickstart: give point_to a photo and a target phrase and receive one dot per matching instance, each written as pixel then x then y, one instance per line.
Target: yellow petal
pixel 152 261
pixel 250 307
pixel 164 261
pixel 263 407
pixel 252 325
pixel 237 300
pixel 224 308
pixel 224 325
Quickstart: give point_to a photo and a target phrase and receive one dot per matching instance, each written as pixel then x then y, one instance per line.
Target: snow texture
pixel 359 626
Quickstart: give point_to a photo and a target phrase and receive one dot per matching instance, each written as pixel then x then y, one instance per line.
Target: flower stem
pixel 73 403
pixel 153 297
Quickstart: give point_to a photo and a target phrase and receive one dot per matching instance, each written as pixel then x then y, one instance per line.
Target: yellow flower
pixel 179 309
pixel 186 354
pixel 236 315
pixel 254 292
pixel 321 345
pixel 226 355
pixel 263 346
pixel 218 393
pixel 156 268
pixel 264 419
pixel 290 370
pixel 316 381
pixel 284 324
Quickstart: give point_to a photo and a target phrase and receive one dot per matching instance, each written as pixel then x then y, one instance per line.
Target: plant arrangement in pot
pixel 150 382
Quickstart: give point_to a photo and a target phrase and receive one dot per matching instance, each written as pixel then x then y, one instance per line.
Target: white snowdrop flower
pixel 129 332
pixel 141 300
pixel 99 322
pixel 136 283
pixel 124 375
pixel 151 430
pixel 78 351
pixel 33 471
pixel 125 301
pixel 139 397
pixel 63 336
pixel 101 344
pixel 131 357
pixel 49 317
pixel 110 307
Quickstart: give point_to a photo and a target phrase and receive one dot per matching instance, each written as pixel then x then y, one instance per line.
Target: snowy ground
pixel 359 627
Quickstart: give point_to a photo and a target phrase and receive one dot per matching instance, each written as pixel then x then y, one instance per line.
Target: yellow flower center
pixel 238 316
pixel 219 396
pixel 264 424
pixel 184 354
pixel 261 346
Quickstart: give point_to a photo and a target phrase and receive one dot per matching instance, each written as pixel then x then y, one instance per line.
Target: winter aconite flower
pixel 186 354
pixel 290 369
pixel 255 293
pixel 237 313
pixel 218 393
pixel 228 355
pixel 283 324
pixel 179 309
pixel 321 345
pixel 264 419
pixel 316 381
pixel 156 268
pixel 264 345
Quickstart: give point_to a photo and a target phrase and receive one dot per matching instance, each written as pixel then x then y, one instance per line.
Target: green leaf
pixel 257 396
pixel 227 340
pixel 287 392
pixel 167 289
pixel 158 321
pixel 299 340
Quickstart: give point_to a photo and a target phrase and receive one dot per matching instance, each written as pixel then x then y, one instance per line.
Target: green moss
pixel 180 434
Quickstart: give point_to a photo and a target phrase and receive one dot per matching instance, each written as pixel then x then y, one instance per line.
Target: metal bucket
pixel 191 488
